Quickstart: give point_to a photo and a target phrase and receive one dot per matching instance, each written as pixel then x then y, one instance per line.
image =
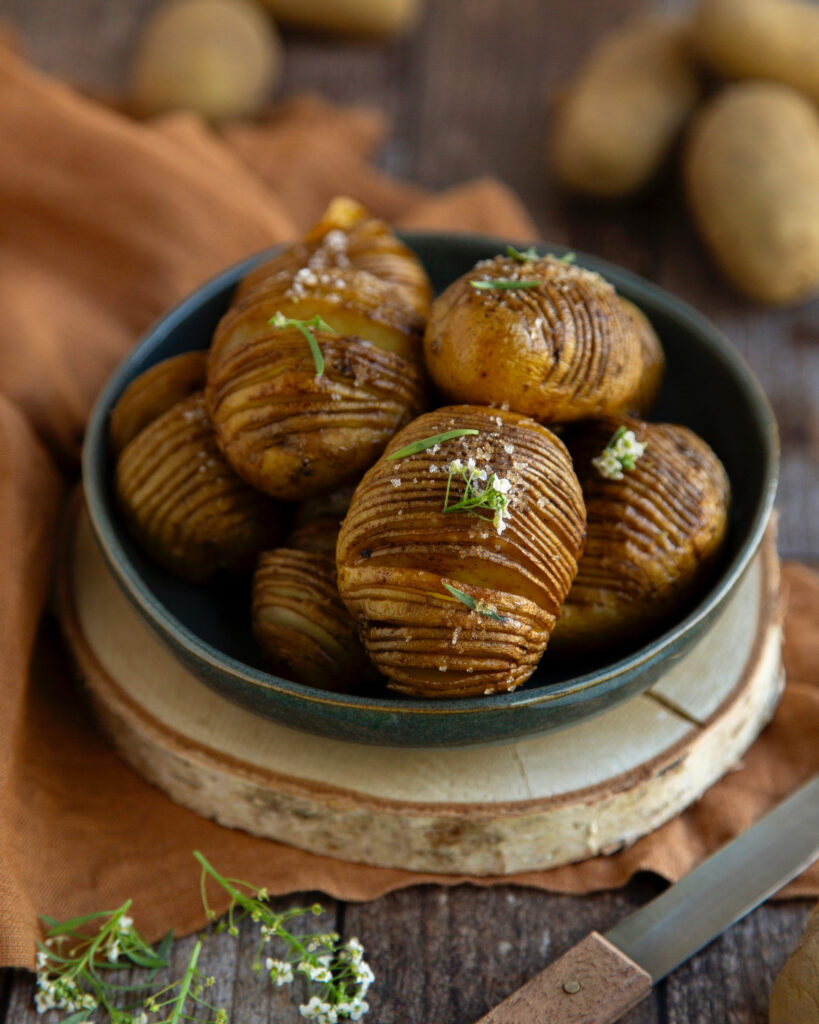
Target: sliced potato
pixel 399 553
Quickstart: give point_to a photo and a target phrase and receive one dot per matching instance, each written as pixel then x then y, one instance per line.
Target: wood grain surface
pixel 469 94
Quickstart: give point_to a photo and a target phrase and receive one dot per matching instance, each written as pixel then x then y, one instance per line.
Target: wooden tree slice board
pixel 527 805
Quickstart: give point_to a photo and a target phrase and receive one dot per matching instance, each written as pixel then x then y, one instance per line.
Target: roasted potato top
pixel 651 535
pixel 347 236
pixel 542 336
pixel 408 538
pixel 182 501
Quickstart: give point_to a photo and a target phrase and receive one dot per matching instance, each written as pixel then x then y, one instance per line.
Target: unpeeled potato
pixel 353 17
pixel 795 994
pixel 752 177
pixel 773 39
pixel 220 58
pixel 619 117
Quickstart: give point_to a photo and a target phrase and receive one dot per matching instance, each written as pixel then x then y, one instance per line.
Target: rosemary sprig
pixel 502 284
pixel 475 605
pixel 525 256
pixel 306 327
pixel 429 442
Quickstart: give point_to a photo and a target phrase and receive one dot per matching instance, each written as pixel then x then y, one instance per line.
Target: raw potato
pixel 651 538
pixel 795 994
pixel 398 550
pixel 775 39
pixel 353 17
pixel 625 108
pixel 220 58
pixel 752 178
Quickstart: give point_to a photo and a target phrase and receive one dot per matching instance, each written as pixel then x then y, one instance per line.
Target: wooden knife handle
pixel 593 983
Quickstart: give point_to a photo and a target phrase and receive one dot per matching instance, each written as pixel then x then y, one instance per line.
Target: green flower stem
pixel 185 984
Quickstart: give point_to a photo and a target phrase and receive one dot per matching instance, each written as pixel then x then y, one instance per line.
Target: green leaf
pixel 429 442
pixel 65 927
pixel 144 960
pixel 472 603
pixel 568 257
pixel 502 284
pixel 75 1018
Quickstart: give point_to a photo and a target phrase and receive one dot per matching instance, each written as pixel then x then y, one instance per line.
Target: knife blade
pixel 604 976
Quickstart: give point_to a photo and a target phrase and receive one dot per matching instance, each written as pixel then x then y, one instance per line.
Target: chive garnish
pixel 428 442
pixel 481 607
pixel 502 284
pixel 306 327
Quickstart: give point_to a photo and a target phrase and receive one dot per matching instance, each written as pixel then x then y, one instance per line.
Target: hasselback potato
pixel 456 574
pixel 299 619
pixel 184 504
pixel 652 535
pixel 348 236
pixel 541 336
pixel 154 392
pixel 317 362
pixel 293 434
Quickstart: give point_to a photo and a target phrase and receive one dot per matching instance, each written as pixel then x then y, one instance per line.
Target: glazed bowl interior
pixel 707 387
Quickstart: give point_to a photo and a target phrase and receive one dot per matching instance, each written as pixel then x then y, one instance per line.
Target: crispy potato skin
pixel 773 39
pixel 642 401
pixel 752 178
pixel 568 349
pixel 616 123
pixel 184 504
pixel 347 236
pixel 651 537
pixel 292 434
pixel 302 624
pixel 153 393
pixel 374 18
pixel 397 547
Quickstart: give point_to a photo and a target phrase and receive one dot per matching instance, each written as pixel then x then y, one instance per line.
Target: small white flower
pixel 113 952
pixel 281 972
pixel 501 484
pixel 42 958
pixel 608 465
pixel 456 465
pixel 470 464
pixel 140 1018
pixel 125 923
pixel 480 474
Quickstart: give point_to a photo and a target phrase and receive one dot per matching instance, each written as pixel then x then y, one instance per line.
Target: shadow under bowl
pixel 708 387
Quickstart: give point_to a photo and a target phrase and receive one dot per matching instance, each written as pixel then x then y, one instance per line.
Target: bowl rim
pixel 198 650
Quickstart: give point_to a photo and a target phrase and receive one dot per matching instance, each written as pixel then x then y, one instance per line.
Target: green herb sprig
pixel 306 327
pixel 429 442
pixel 523 256
pixel 77 958
pixel 337 975
pixel 474 604
pixel 620 454
pixel 502 284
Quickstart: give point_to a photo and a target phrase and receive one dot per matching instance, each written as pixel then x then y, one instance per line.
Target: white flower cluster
pixel 280 971
pixel 355 973
pixel 56 993
pixel 494 497
pixel 621 453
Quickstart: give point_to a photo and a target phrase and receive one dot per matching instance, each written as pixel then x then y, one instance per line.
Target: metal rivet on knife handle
pixel 608 984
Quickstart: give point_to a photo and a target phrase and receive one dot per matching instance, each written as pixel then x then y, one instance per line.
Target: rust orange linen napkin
pixel 104 223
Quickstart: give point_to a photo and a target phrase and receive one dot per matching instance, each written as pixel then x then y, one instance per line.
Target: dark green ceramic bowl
pixel 708 387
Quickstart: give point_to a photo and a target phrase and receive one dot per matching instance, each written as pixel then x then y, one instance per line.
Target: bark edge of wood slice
pixel 523 806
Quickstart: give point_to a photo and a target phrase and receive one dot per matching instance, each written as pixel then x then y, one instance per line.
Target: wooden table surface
pixel 469 95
